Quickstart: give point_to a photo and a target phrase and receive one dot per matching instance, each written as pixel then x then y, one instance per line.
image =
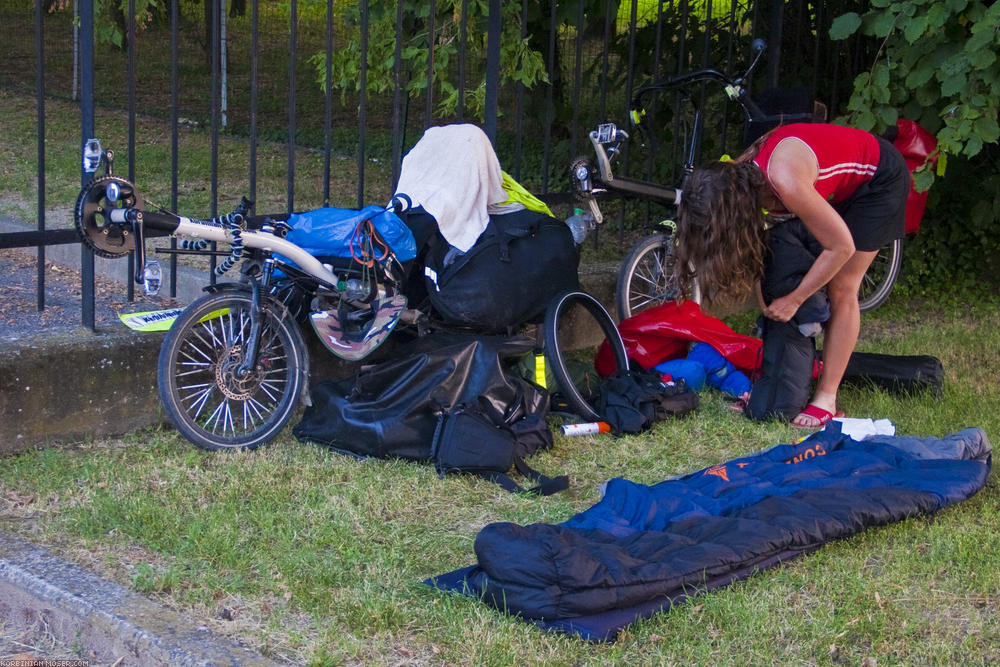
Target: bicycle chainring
pixel 92 216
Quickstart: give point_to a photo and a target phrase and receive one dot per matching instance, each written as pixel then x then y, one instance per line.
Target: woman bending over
pixel 849 189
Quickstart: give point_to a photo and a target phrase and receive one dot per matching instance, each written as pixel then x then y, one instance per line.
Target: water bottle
pixel 91 155
pixel 580 224
pixel 152 276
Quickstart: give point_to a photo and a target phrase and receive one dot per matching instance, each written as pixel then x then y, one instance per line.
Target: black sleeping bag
pixel 642 549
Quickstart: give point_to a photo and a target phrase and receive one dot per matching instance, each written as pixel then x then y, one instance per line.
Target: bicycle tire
pixel 557 311
pixel 878 281
pixel 201 394
pixel 646 276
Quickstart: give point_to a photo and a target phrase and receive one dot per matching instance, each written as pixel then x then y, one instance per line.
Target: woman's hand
pixel 783 308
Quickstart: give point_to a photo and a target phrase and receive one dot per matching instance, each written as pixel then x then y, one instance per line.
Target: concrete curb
pixel 82 385
pixel 108 623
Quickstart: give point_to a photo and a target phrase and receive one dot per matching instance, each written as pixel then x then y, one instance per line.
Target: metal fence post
pixel 492 70
pixel 86 132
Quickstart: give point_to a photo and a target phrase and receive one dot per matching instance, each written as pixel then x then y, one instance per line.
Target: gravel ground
pixel 19 314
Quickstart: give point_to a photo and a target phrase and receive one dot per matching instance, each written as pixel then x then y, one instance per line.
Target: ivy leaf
pixel 987 128
pixel 915 28
pixel 865 120
pixel 937 15
pixel 954 84
pixel 845 25
pixel 982 38
pixel 973 146
pixel 888 116
pixel 919 75
pixel 923 178
pixel 880 77
pixel 983 58
pixel 956 6
pixel 881 24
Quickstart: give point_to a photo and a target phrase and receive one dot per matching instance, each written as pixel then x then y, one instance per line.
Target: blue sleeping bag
pixel 642 548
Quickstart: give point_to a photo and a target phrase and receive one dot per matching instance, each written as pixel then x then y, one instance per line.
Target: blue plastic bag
pixel 326 232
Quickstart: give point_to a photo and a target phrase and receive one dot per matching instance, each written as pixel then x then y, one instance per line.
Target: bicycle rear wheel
pixel 646 276
pixel 881 276
pixel 566 316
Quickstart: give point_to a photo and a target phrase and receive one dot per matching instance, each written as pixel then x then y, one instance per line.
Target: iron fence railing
pixel 300 73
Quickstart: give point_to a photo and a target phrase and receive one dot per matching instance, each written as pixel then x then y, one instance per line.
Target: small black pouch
pixel 467 440
pixel 631 401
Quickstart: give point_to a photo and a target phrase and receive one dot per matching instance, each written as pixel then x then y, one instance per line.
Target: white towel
pixel 861 428
pixel 455 175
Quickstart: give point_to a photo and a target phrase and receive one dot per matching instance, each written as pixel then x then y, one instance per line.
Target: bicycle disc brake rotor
pixel 92 216
pixel 228 379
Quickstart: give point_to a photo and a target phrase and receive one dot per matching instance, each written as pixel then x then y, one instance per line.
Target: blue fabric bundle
pixel 692 372
pixel 719 372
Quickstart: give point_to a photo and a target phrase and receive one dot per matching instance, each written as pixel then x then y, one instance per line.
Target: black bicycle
pixel 646 276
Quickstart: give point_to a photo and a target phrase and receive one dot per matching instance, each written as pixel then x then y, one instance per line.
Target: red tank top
pixel 847 157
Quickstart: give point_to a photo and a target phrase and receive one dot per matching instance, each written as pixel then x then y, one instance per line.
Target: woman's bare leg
pixel 841 333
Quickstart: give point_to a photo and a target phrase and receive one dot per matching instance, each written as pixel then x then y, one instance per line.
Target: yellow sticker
pixel 154 320
pixel 161 320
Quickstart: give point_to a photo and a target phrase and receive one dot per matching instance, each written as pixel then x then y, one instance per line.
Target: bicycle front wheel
pixel 565 318
pixel 646 276
pixel 204 392
pixel 881 276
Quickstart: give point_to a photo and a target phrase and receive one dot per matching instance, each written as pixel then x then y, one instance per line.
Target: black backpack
pixel 468 440
pixel 518 265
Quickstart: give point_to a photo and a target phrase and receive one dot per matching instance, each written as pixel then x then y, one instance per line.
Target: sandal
pixel 817 413
pixel 740 404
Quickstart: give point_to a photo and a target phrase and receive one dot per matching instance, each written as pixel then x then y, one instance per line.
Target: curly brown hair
pixel 721 230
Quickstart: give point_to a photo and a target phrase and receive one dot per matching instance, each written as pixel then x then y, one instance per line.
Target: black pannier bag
pixel 518 265
pixel 787 354
pixel 782 389
pixel 897 374
pixel 391 409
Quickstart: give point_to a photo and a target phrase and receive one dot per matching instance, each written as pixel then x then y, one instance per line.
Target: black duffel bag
pixel 518 265
pixel 391 409
pixel 897 374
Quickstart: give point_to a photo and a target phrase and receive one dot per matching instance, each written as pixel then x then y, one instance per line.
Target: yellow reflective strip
pixel 540 371
pixel 214 314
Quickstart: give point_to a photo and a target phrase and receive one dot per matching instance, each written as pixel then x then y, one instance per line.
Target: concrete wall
pixel 71 387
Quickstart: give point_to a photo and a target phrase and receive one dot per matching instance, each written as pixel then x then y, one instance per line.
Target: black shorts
pixel 876 212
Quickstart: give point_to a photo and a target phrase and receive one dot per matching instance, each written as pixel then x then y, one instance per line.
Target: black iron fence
pixel 357 83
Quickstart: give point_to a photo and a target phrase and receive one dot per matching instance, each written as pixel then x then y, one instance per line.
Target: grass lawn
pixel 315 558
